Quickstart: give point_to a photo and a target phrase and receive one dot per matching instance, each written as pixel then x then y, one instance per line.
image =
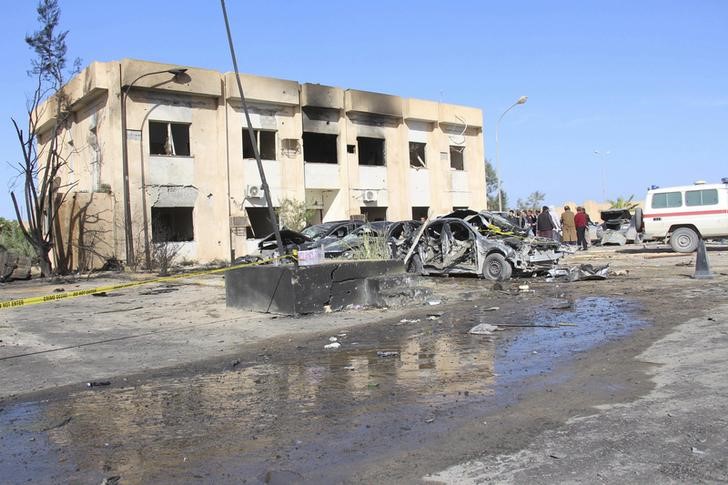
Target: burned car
pixel 451 245
pixel 381 238
pixel 329 231
pixel 618 227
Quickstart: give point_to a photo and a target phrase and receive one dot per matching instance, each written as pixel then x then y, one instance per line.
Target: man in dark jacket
pixel 581 220
pixel 544 224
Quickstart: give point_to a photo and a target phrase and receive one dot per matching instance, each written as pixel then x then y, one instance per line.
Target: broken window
pixel 374 214
pixel 260 223
pixel 172 224
pixel 457 158
pixel 169 138
pixel 266 141
pixel 417 154
pixel 371 151
pixel 319 148
pixel 419 213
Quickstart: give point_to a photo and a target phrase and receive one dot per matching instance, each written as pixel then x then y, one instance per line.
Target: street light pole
pixel 521 100
pixel 603 156
pixel 129 237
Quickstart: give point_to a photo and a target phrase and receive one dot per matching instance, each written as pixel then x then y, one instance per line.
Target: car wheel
pixel 638 219
pixel 497 268
pixel 684 240
pixel 415 265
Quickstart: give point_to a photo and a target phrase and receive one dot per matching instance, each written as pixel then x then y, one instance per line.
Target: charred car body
pixel 479 243
pixel 618 227
pixel 393 237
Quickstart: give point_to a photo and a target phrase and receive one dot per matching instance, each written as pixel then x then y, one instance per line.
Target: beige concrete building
pixel 192 177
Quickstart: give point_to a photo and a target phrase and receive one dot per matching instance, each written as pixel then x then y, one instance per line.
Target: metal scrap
pixel 583 272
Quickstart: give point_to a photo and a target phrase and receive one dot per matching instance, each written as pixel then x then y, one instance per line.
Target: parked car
pixel 386 238
pixel 684 214
pixel 327 232
pixel 452 245
pixel 349 244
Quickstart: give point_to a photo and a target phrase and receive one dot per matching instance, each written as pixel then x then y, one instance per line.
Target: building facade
pixel 192 176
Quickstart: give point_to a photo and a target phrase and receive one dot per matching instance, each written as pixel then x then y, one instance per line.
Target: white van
pixel 685 214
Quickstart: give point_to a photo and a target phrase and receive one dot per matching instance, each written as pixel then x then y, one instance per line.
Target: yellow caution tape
pixel 34 300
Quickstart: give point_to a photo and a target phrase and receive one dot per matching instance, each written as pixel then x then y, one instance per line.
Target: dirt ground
pixel 622 380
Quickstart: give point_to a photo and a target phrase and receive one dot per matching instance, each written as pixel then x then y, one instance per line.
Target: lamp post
pixel 521 100
pixel 603 156
pixel 129 238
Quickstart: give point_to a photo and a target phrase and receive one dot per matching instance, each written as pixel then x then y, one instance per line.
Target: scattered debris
pixel 432 317
pixel 58 290
pixel 407 320
pixel 387 354
pixel 327 309
pixel 98 383
pixel 100 293
pixel 697 451
pixel 235 363
pixel 332 346
pixel 583 272
pixel 429 420
pixel 620 272
pixel 111 480
pixel 483 329
pixel 523 287
pixel 492 309
pixel 433 302
pixel 557 456
pixel 349 367
pixel 333 339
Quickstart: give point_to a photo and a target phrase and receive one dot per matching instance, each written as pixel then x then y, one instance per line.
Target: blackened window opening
pixel 319 148
pixel 417 155
pixel 172 224
pixel 457 159
pixel 169 138
pixel 266 140
pixel 371 151
pixel 260 223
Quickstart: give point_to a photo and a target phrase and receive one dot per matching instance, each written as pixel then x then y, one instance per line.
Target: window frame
pixel 667 204
pixel 461 151
pixel 257 132
pixel 702 197
pixel 169 133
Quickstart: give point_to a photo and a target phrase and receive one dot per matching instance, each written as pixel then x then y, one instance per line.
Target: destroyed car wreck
pixel 471 245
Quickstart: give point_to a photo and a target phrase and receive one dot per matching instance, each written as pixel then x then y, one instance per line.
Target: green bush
pixel 12 238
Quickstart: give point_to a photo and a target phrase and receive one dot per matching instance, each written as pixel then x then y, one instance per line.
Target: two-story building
pixel 179 141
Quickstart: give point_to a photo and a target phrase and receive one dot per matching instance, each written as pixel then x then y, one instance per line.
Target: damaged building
pixel 161 153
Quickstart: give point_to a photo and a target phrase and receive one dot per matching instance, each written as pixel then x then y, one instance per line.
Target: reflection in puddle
pixel 308 414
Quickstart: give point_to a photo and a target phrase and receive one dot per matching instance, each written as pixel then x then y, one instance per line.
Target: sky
pixel 643 83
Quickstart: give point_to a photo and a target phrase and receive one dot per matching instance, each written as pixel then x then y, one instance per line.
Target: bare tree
pixel 42 165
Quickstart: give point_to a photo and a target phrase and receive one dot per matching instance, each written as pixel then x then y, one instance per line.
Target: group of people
pixel 571 228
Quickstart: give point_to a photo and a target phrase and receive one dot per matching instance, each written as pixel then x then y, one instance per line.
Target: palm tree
pixel 622 203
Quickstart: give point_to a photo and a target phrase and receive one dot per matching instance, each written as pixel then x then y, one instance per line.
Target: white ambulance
pixel 685 214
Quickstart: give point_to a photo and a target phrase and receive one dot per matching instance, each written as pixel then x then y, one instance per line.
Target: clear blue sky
pixel 647 80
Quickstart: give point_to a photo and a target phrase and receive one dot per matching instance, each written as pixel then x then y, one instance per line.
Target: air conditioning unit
pixel 254 191
pixel 370 196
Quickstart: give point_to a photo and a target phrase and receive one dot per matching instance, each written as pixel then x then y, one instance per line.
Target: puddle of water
pixel 312 413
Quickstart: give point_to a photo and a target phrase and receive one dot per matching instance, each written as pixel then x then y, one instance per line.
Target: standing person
pixel 581 220
pixel 545 224
pixel 567 223
pixel 557 225
pixel 532 221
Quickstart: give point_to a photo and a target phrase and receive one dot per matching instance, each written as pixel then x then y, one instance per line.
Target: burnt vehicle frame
pixel 454 245
pixel 396 236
